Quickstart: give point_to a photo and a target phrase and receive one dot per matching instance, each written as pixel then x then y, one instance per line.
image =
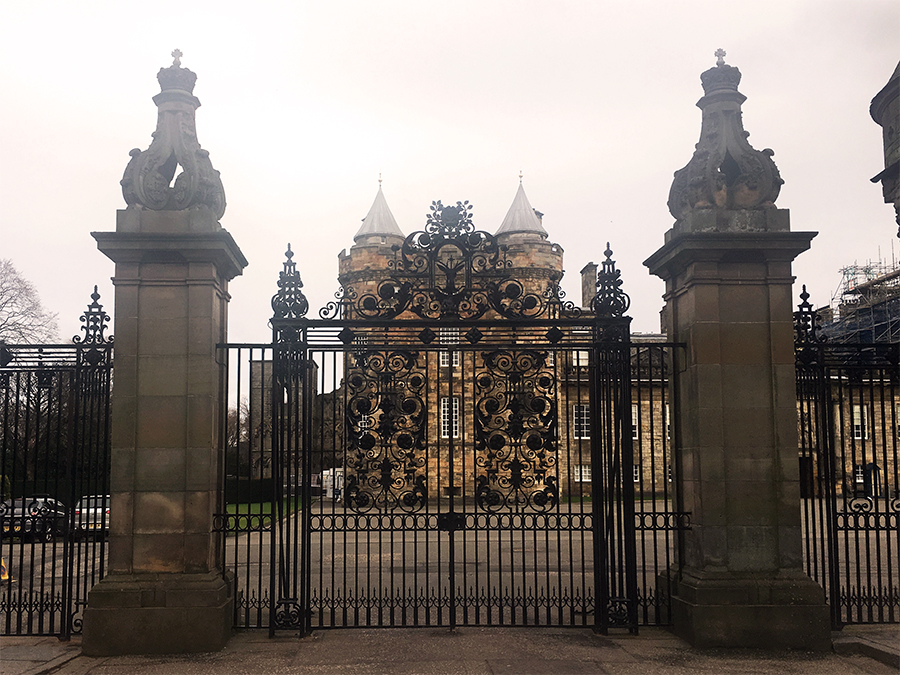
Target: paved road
pixel 507 576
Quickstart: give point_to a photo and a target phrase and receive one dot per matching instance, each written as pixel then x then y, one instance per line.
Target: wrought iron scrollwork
pixel 289 302
pixel 806 331
pixel 95 321
pixel 556 301
pixel 385 426
pixel 610 300
pixel 447 270
pixel 806 322
pixel 516 432
pixel 288 614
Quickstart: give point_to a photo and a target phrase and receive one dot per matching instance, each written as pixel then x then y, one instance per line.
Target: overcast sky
pixel 304 104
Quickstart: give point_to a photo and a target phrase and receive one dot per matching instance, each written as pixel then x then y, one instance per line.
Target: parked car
pixel 37 518
pixel 92 515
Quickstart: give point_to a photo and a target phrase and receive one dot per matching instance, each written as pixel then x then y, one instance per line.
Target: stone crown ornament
pixel 148 177
pixel 725 171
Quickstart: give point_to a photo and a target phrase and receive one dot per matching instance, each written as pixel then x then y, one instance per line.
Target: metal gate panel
pixel 463 497
pixel 249 487
pixel 54 429
pixel 447 445
pixel 849 422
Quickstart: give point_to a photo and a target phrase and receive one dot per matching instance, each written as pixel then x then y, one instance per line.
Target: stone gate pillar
pixel 165 591
pixel 727 267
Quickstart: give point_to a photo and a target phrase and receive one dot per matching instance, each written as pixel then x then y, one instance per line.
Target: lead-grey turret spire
pixel 379 221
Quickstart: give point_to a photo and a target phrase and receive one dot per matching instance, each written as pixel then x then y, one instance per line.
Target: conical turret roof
pixel 379 221
pixel 521 217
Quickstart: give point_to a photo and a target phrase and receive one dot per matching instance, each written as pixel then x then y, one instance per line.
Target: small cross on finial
pixel 720 57
pixel 379 179
pixel 520 176
pixel 176 55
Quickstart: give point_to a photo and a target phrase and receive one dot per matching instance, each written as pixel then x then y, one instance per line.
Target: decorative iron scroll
pixel 94 320
pixel 610 300
pixel 806 322
pixel 516 424
pixel 289 302
pixel 385 423
pixel 447 270
pixel 287 614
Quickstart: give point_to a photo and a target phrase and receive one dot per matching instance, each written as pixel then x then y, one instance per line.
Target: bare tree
pixel 23 320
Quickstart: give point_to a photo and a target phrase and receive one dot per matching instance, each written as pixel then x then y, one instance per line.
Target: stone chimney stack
pixel 588 284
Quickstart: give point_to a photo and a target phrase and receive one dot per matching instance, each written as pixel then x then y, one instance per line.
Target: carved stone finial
pixel 725 172
pixel 148 179
pixel 720 56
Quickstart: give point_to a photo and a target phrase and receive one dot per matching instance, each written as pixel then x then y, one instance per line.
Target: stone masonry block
pixel 122 468
pixel 162 422
pixel 752 548
pixel 745 344
pixel 199 553
pixel 122 434
pixel 198 508
pixel 126 332
pixel 706 343
pixel 747 427
pixel 747 386
pixel 201 425
pixel 169 273
pixel 744 304
pixel 202 336
pixel 121 512
pixel 790 547
pixel 202 378
pixel 706 385
pixel 126 302
pixel 159 512
pixel 121 552
pixel 158 553
pixel 712 551
pixel 162 375
pixel 163 337
pixel 163 301
pixel 711 435
pixel 752 503
pixel 756 464
pixel 159 469
pixel 201 467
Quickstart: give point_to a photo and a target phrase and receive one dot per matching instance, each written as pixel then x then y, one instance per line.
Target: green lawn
pixel 264 508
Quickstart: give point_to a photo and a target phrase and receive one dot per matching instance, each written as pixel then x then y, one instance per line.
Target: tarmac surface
pixel 466 651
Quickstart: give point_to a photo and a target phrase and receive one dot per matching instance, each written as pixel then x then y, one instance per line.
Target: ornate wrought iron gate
pixel 54 429
pixel 849 406
pixel 450 447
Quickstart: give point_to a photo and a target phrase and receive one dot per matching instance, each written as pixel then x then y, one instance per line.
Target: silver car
pixel 92 515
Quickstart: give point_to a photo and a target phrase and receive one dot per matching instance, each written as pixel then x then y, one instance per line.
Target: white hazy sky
pixel 305 103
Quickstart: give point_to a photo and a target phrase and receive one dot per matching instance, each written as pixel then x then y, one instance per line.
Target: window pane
pixel 581 421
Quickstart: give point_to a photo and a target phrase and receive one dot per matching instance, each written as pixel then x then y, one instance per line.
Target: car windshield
pixel 93 503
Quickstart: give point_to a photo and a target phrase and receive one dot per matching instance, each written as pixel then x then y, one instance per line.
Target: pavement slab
pixel 465 651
